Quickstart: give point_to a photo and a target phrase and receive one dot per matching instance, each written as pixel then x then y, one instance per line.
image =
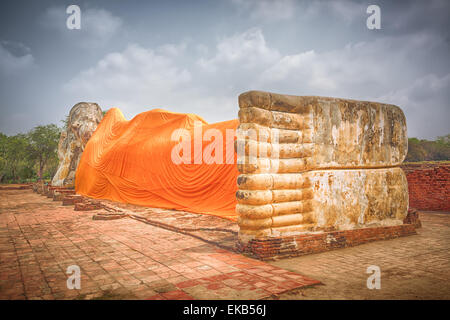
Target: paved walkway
pixel 129 259
pixel 211 229
pixel 119 259
pixel 414 267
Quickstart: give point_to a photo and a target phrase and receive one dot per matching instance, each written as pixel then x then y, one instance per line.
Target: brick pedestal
pixel 289 246
pixel 59 195
pixel 72 199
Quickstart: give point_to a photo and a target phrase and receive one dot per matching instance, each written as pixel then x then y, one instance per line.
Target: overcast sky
pixel 198 56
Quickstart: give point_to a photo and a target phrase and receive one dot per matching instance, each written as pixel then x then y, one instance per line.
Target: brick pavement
pixel 127 259
pixel 414 267
pixel 119 259
pixel 211 229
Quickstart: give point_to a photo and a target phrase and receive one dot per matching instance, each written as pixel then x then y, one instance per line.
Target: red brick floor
pixel 119 259
pixel 415 267
pixel 221 232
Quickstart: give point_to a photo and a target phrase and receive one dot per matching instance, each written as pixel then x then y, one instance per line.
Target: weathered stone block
pixel 81 124
pixel 313 164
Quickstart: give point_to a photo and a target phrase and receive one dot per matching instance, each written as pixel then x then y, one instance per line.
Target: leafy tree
pixel 14 156
pixel 65 123
pixel 416 151
pixel 43 145
pixel 425 150
pixel 3 157
pixel 445 140
pixel 25 156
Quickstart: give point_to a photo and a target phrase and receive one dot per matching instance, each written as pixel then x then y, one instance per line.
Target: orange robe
pixel 131 162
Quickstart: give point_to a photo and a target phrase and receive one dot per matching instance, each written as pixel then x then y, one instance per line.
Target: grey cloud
pixel 414 16
pixel 426 105
pixel 98 26
pixel 266 9
pixel 14 56
pixel 199 56
pixel 134 77
pixel 245 50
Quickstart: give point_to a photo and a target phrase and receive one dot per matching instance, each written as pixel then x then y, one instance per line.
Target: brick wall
pixel 428 186
pixel 290 246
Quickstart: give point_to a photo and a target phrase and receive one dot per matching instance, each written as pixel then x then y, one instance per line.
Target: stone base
pixel 413 218
pixel 71 199
pixel 59 195
pixel 109 216
pixel 87 205
pixel 290 246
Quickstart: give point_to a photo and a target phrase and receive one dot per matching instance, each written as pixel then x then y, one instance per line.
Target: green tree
pixel 416 151
pixel 65 123
pixel 14 156
pixel 43 145
pixel 3 142
pixel 426 150
pixel 442 147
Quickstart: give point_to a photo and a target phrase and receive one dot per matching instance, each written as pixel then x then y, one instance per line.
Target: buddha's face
pixel 83 120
